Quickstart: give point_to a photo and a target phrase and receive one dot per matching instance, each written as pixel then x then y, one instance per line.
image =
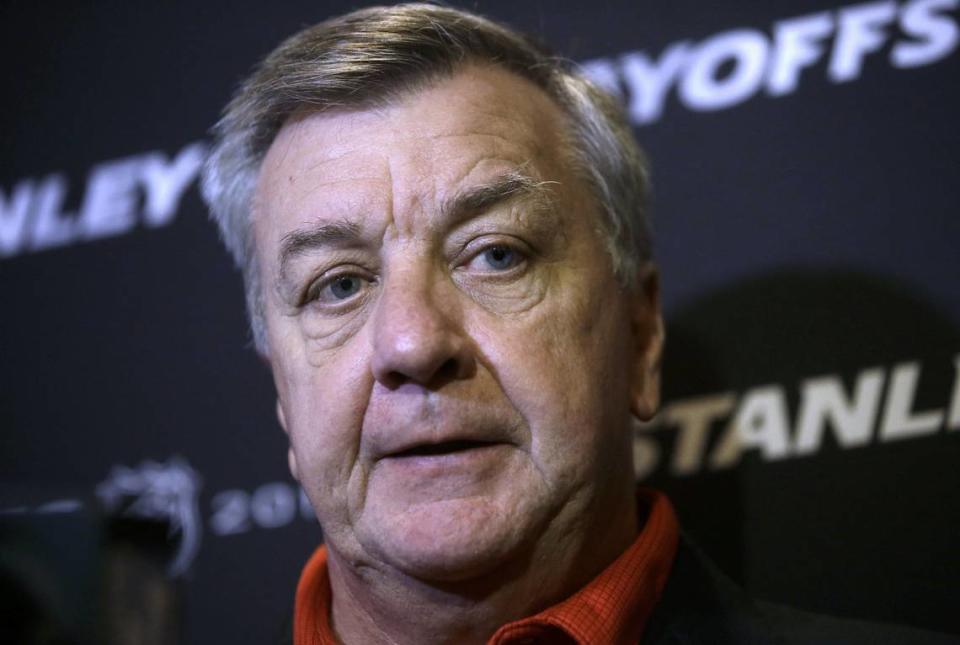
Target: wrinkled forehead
pixel 472 83
pixel 474 98
pixel 468 127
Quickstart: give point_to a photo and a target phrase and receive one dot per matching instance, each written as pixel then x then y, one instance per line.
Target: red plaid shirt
pixel 612 608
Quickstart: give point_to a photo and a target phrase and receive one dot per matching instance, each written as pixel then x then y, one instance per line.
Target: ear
pixel 291 457
pixel 648 336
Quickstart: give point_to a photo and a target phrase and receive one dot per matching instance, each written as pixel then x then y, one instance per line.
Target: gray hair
pixel 376 55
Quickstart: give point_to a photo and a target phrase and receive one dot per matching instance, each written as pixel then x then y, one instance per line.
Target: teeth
pixel 442 448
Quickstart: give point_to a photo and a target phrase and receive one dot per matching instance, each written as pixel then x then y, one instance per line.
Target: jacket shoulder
pixel 799 627
pixel 701 605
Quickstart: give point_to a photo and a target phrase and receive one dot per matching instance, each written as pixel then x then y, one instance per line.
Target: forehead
pixel 463 129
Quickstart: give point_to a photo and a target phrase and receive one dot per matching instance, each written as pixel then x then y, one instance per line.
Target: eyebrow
pixel 301 241
pixel 459 207
pixel 502 188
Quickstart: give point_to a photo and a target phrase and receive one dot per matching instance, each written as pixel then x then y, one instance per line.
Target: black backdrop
pixel 807 232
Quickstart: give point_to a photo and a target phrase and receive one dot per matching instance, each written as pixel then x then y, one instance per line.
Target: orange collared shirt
pixel 613 607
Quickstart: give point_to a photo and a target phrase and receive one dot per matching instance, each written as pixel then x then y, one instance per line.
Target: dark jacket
pixel 700 605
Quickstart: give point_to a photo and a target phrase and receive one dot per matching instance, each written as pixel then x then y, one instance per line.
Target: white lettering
pixel 165 183
pixel 32 218
pixel 693 418
pixel 796 46
pixel 649 82
pixel 110 205
pixel 701 89
pixel 899 422
pixel 859 34
pixel 51 227
pixel 937 33
pixel 273 505
pixel 823 401
pixel 604 73
pixel 231 512
pixel 13 217
pixel 270 506
pixel 760 422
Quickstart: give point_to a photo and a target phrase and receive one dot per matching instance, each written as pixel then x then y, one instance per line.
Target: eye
pixel 337 289
pixel 496 258
pixel 500 257
pixel 344 286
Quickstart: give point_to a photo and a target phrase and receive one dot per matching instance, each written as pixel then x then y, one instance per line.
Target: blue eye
pixel 500 257
pixel 337 290
pixel 344 286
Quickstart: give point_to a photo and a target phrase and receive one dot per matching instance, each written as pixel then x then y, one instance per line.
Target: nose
pixel 418 336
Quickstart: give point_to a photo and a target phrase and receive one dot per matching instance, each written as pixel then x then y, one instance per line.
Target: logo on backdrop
pixel 731 67
pixel 713 431
pixel 145 189
pixel 167 492
pixel 170 492
pixel 716 73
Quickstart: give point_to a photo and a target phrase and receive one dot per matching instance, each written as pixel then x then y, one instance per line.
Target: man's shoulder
pixel 799 627
pixel 701 605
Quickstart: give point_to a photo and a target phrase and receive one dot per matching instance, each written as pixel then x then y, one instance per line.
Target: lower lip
pixel 471 461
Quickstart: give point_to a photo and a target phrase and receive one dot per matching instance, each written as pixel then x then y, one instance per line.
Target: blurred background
pixel 807 181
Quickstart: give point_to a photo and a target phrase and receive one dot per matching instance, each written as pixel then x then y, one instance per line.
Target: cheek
pixel 317 336
pixel 513 298
pixel 562 366
pixel 325 335
pixel 324 403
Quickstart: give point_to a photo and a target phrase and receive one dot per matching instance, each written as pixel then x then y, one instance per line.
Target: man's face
pixel 454 359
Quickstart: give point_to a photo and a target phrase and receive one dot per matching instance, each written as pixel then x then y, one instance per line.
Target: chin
pixel 449 540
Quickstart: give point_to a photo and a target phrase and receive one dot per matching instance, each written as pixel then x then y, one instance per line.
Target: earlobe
pixel 649 337
pixel 291 456
pixel 292 463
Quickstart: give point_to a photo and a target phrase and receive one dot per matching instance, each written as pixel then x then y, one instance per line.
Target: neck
pixel 383 605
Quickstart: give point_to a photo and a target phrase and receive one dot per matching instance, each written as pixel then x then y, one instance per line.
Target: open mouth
pixel 443 448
